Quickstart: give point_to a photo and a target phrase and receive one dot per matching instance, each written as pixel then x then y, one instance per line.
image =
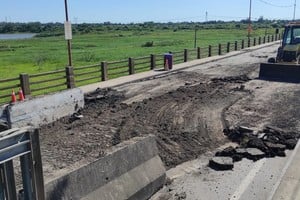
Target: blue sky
pixel 127 11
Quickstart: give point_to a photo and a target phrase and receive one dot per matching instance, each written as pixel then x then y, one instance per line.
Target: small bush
pixel 88 56
pixel 148 44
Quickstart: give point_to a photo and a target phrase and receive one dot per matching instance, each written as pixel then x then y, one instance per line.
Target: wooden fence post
pixel 220 49
pixel 249 42
pixel 264 40
pixel 185 55
pixel 276 35
pixel 235 45
pixel 25 84
pixel 198 53
pixel 254 41
pixel 272 38
pixel 152 61
pixel 104 71
pixel 268 38
pixel 209 50
pixel 70 77
pixel 131 65
pixel 228 47
pixel 259 40
pixel 243 44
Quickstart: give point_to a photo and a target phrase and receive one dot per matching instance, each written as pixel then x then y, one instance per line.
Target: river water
pixel 16 36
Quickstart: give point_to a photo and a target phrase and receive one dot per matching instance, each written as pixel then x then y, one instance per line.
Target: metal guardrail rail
pixel 23 144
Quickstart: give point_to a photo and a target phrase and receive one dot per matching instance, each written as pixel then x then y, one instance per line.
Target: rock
pixel 221 163
pixel 280 153
pixel 229 151
pixel 275 130
pixel 275 147
pixel 241 151
pixel 180 196
pixel 237 157
pixel 271 138
pixel 291 143
pixel 257 143
pixel 254 154
pixel 244 129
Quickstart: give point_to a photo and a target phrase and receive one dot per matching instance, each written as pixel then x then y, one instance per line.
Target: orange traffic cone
pixel 21 95
pixel 13 97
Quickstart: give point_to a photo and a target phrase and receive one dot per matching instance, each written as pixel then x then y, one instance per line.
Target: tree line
pixel 50 29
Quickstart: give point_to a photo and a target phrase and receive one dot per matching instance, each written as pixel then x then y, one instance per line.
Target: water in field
pixel 16 36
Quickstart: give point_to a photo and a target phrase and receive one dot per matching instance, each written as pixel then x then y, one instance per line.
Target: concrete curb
pixel 45 109
pixel 130 170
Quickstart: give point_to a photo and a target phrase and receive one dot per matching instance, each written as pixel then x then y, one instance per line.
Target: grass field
pixel 38 55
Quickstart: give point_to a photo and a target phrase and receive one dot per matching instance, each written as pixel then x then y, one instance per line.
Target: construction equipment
pixel 285 67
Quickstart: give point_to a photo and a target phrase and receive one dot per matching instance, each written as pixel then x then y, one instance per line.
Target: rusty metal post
pixel 104 71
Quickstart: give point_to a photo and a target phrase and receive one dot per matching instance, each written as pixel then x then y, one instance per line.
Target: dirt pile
pixel 186 121
pixel 254 145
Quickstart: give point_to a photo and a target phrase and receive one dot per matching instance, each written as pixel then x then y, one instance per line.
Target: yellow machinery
pixel 285 67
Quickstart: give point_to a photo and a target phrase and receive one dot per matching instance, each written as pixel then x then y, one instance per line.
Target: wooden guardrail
pixel 42 83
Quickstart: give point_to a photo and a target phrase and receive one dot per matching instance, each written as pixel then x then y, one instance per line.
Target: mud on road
pixel 187 122
pixel 187 111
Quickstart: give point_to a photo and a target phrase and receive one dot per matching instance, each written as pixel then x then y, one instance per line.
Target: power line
pixel 274 5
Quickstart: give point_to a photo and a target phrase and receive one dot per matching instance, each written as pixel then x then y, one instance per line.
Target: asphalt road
pixel 266 179
pixel 248 180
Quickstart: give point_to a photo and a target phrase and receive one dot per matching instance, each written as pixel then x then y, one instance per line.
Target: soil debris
pixel 186 121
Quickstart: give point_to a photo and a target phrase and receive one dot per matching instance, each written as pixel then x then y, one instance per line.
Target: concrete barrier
pixel 45 109
pixel 130 170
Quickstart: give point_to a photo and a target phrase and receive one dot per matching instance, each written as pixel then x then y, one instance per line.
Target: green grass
pixel 46 54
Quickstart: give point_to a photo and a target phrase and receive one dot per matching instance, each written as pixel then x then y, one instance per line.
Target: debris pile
pixel 253 145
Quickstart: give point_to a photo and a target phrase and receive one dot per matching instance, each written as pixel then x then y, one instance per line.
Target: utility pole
pixel 249 24
pixel 295 10
pixel 206 16
pixel 68 33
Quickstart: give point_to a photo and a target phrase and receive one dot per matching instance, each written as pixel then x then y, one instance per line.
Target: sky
pixel 137 11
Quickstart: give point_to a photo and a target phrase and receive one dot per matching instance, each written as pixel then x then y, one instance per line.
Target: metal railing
pixel 23 144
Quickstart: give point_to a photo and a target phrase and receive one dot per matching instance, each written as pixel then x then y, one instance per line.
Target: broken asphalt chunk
pixel 221 163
